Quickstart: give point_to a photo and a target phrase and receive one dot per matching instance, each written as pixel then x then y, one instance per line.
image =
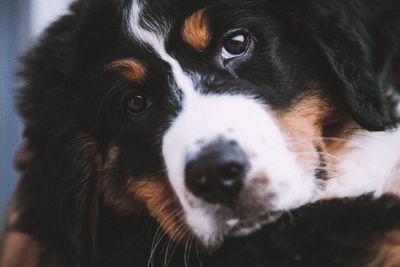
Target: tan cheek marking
pixel 162 205
pixel 153 194
pixel 196 30
pixel 131 69
pixel 118 199
pixel 303 125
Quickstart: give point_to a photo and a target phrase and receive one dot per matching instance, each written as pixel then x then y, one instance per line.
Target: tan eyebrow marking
pixel 196 30
pixel 132 69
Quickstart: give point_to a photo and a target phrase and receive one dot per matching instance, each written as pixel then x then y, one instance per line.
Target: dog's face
pixel 217 115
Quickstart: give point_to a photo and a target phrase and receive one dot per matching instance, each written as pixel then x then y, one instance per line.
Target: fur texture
pixel 121 95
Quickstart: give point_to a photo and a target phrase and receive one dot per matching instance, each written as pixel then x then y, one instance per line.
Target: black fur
pixel 349 46
pixel 332 233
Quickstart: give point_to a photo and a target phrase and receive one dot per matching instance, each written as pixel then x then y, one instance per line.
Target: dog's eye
pixel 137 104
pixel 235 45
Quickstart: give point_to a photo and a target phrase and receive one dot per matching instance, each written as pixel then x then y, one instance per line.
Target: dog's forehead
pixel 161 16
pixel 150 25
pixel 186 42
pixel 190 25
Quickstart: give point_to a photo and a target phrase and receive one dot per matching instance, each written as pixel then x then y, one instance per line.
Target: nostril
pixel 232 170
pixel 217 172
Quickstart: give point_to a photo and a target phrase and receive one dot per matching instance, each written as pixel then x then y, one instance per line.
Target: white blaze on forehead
pixel 156 40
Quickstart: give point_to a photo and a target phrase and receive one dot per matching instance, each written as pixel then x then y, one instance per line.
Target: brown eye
pixel 138 104
pixel 235 45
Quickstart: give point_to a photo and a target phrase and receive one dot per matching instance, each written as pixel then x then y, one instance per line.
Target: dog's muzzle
pixel 229 165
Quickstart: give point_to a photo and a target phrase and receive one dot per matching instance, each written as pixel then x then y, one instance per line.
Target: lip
pixel 240 227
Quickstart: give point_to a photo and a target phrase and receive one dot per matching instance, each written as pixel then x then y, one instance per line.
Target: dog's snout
pixel 217 173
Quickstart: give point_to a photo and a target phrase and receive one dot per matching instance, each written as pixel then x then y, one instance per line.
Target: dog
pixel 200 120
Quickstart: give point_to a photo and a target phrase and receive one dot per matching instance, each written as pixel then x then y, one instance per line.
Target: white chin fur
pixel 205 119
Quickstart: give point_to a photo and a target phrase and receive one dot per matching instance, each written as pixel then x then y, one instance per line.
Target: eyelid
pixel 240 35
pixel 232 63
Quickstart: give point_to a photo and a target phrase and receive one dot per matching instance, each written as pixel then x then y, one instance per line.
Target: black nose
pixel 217 173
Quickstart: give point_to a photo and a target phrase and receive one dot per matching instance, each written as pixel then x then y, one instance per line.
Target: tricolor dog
pixel 200 120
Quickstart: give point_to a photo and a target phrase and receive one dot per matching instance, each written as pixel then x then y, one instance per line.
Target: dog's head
pixel 217 116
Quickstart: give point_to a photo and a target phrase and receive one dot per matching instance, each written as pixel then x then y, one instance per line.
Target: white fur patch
pixel 208 118
pixel 367 164
pixel 156 40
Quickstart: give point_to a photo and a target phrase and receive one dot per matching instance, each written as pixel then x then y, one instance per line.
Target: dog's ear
pixel 57 197
pixel 80 195
pixel 354 58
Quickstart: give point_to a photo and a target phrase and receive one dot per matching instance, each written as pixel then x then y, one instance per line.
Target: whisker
pixel 317 138
pixel 150 260
pixel 169 260
pixel 180 230
pixel 198 255
pixel 358 144
pixel 167 202
pixel 326 154
pixel 185 258
pixel 170 242
pixel 158 237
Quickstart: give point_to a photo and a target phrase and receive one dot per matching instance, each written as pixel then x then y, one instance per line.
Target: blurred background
pixel 21 22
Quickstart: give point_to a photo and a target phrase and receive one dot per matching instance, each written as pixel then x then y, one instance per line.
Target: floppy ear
pixel 79 203
pixel 57 197
pixel 352 54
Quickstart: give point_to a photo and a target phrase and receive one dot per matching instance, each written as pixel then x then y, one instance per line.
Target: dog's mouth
pixel 231 227
pixel 245 226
